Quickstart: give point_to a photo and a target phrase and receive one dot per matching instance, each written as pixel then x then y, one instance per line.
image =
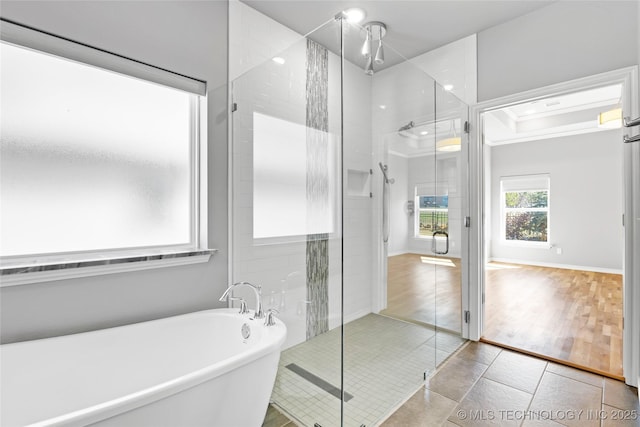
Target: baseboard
pixel 397 253
pixel 355 316
pixel 563 266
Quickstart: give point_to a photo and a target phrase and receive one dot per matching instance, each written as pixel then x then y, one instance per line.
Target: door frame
pixel 628 77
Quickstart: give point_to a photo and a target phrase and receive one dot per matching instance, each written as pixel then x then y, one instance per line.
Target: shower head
pixel 407 126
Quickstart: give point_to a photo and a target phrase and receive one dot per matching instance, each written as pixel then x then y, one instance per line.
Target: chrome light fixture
pixel 366 47
pixel 380 52
pixel 375 32
pixel 369 67
pixel 451 144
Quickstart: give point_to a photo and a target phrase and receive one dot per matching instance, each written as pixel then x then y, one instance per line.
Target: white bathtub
pixel 182 371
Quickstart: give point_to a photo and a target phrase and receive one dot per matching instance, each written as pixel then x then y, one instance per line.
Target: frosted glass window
pixel 91 160
pixel 282 206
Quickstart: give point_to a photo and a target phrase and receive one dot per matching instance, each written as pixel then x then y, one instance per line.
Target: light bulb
pixel 366 47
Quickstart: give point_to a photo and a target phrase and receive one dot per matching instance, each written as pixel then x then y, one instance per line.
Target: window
pixel 525 208
pixel 433 215
pixel 93 161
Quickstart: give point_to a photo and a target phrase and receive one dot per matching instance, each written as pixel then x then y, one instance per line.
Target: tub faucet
pixel 256 289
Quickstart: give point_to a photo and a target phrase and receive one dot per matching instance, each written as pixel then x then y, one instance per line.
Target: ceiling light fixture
pixel 278 60
pixel 375 31
pixel 447 87
pixel 354 15
pixel 611 119
pixel 450 144
pixel 369 67
pixel 380 52
pixel 366 47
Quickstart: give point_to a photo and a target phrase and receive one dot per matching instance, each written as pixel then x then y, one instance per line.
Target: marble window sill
pixel 46 272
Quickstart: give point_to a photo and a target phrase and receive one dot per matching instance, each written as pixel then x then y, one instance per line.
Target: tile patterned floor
pixel 385 362
pixel 485 385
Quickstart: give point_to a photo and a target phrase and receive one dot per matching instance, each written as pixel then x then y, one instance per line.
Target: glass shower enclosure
pixel 318 226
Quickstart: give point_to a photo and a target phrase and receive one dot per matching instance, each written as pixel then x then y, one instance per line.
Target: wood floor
pixel 569 316
pixel 425 289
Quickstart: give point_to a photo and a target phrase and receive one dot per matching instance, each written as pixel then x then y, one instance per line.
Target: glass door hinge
pixel 467 221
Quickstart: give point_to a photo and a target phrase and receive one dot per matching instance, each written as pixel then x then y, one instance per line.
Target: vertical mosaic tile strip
pixel 317 121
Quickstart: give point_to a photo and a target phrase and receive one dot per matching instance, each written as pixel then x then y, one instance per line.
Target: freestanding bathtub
pixel 195 369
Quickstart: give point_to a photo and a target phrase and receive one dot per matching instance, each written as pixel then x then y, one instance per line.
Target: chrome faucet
pixel 259 314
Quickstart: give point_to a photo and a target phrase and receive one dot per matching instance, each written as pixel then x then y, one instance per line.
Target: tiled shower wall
pixel 280 91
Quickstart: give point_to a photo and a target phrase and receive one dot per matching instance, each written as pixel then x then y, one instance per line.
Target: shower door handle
pixel 630 123
pixel 628 139
pixel 434 248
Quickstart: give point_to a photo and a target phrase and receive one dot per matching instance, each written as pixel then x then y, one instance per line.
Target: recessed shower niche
pixel 359 183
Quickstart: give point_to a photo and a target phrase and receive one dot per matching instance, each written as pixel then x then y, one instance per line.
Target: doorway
pixel 554 238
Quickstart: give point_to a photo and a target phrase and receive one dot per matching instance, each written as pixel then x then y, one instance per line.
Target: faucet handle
pixel 270 319
pixel 243 304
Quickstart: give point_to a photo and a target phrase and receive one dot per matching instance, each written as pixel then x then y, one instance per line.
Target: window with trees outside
pixel 525 208
pixel 433 215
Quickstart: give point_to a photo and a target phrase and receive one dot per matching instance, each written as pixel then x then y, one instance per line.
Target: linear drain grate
pixel 319 382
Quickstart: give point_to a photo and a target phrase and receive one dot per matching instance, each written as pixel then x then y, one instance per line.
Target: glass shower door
pixel 446 210
pixel 286 222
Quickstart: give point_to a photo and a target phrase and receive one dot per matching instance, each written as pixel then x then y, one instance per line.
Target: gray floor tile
pixel 565 399
pixel 576 374
pixel 540 423
pixel 516 370
pixel 619 395
pixel 455 378
pixel 491 403
pixel 479 352
pixel 425 408
pixel 615 417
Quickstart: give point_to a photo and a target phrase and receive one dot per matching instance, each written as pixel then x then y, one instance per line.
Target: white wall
pixel 254 38
pixel 400 222
pixel 358 210
pixel 455 64
pixel 145 31
pixel 586 199
pixel 560 42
